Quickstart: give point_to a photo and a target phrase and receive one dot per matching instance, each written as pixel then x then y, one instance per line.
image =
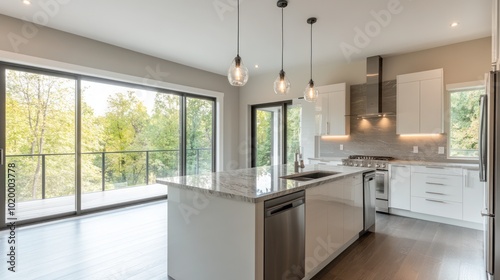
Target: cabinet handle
pixel 436 193
pixel 435 167
pixel 440 178
pixel 437 184
pixel 466 178
pixel 328 128
pixel 438 201
pixel 397 165
pixel 1 157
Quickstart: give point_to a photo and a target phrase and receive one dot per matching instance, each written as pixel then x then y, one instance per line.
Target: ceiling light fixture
pixel 311 94
pixel 454 24
pixel 26 2
pixel 237 73
pixel 282 84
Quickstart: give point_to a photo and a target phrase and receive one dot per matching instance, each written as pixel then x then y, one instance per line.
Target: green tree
pixel 464 122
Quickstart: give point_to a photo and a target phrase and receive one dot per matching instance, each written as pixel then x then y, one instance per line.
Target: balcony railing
pixel 104 158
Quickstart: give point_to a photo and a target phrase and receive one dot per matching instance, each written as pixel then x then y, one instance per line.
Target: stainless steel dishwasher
pixel 369 200
pixel 284 237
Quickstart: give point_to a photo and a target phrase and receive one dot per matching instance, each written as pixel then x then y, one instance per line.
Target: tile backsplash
pixel 377 136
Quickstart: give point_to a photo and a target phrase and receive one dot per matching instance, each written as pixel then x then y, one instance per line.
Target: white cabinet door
pixel 339 108
pixel 400 187
pixel 420 102
pixel 316 222
pixel 358 207
pixel 431 104
pixel 336 214
pixel 322 114
pixel 408 108
pixel 473 198
pixel 349 197
pixel 332 108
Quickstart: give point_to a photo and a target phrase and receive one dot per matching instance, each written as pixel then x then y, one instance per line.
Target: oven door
pixel 382 184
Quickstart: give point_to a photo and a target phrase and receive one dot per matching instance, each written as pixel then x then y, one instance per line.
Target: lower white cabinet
pixel 334 216
pixel 436 192
pixel 473 196
pixel 400 186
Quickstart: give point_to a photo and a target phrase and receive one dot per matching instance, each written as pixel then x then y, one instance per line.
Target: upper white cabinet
pixel 332 110
pixel 420 102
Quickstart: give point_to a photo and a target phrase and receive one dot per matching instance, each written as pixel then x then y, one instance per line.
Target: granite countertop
pixel 328 158
pixel 257 184
pixel 474 166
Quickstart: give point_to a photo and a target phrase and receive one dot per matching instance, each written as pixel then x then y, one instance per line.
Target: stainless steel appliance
pixel 368 200
pixel 489 166
pixel 381 165
pixel 284 237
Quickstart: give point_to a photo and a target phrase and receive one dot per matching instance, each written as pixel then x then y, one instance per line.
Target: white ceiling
pixel 202 33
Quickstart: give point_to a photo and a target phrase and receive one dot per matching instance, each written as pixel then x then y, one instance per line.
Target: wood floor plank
pixel 409 249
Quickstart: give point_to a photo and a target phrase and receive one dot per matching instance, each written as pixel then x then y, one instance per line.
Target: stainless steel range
pixel 381 166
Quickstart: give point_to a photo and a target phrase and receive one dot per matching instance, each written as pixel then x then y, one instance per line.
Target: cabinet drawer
pixel 440 187
pixel 437 207
pixel 434 169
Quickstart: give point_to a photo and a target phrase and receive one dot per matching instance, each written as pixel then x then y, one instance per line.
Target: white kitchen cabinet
pixel 473 196
pixel 332 110
pixel 400 186
pixel 420 103
pixel 317 221
pixel 334 216
pixel 436 190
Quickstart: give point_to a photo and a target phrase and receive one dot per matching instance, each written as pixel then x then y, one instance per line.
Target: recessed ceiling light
pixel 256 66
pixel 26 2
pixel 454 24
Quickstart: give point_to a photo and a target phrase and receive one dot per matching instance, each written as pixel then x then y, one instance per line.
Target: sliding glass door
pixel 40 143
pixel 78 143
pixel 275 133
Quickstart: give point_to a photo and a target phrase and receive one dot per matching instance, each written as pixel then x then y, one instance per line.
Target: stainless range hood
pixel 373 95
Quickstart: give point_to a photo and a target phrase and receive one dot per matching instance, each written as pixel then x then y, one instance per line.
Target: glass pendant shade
pixel 281 84
pixel 237 74
pixel 311 93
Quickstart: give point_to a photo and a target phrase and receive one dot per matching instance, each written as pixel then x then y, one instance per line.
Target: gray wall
pixel 462 62
pixel 54 45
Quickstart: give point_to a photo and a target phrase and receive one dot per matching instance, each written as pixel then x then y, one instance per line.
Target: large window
pixel 83 143
pixel 464 122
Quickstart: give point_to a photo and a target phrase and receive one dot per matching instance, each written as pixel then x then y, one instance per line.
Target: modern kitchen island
pixel 216 220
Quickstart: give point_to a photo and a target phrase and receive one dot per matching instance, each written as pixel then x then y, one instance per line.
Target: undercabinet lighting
pixel 333 137
pixel 420 135
pixel 26 2
pixel 454 24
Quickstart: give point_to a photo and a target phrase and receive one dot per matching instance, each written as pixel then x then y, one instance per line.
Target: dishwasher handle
pixel 284 206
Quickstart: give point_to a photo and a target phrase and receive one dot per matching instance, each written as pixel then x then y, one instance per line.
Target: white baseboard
pixel 437 219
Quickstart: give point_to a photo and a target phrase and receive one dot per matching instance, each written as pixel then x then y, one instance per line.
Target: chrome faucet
pixel 299 162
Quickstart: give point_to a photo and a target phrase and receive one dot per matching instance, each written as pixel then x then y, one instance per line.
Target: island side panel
pixel 210 237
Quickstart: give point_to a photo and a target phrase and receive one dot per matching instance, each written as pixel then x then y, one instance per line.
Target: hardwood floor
pixel 131 243
pixel 405 248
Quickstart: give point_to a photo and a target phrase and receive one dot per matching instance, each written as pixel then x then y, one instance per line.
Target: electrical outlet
pixel 415 149
pixel 440 150
pixel 341 147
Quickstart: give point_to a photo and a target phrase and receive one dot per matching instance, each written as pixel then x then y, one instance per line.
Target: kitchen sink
pixel 310 175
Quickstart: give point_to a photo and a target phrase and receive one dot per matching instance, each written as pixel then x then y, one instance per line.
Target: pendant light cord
pixel 238 32
pixel 282 40
pixel 311 51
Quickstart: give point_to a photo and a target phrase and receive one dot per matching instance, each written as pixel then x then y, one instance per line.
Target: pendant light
pixel 311 94
pixel 237 73
pixel 282 84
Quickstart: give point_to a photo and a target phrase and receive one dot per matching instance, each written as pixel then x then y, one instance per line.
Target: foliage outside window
pixel 464 123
